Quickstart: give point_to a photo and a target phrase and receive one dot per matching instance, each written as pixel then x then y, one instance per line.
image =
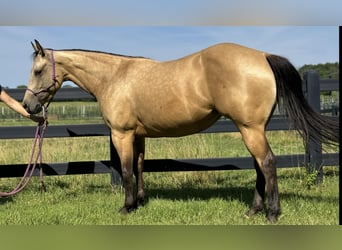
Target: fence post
pixel 314 154
pixel 334 110
pixel 115 165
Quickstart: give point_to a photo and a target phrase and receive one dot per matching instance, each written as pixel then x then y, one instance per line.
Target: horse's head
pixel 43 82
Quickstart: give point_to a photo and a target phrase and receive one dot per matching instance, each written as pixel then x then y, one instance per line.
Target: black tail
pixel 290 97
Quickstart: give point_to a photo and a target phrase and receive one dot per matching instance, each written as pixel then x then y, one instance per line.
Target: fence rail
pixel 311 86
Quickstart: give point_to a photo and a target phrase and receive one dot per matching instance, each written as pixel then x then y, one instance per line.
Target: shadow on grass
pixel 4 200
pixel 242 194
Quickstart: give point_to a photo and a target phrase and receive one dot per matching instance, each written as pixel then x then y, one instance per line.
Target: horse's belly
pixel 179 127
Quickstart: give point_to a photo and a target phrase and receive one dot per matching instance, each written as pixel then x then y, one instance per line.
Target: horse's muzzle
pixel 33 108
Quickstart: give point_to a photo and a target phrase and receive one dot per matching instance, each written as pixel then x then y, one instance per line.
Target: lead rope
pixel 45 124
pixel 40 130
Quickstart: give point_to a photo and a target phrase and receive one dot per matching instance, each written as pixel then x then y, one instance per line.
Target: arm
pixel 16 106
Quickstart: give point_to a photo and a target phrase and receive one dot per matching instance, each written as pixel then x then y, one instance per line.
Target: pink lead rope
pixel 30 169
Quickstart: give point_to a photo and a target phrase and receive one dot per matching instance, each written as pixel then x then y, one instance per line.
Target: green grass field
pixel 176 198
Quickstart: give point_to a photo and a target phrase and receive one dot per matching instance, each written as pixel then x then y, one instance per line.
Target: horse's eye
pixel 37 72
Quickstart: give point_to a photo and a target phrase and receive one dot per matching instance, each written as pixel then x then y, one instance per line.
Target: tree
pixel 21 87
pixel 325 71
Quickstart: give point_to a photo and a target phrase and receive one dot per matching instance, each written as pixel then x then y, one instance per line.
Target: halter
pixel 54 79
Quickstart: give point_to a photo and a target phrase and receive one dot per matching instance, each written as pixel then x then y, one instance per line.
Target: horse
pixel 140 97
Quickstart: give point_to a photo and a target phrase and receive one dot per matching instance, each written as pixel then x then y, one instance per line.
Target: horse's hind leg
pixel 256 142
pixel 259 193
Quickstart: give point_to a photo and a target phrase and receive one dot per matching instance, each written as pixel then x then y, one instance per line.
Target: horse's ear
pixel 34 47
pixel 38 48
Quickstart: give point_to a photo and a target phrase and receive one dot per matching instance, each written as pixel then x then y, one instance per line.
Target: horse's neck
pixel 90 71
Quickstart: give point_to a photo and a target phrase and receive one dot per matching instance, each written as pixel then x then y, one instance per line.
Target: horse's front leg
pixel 139 148
pixel 123 142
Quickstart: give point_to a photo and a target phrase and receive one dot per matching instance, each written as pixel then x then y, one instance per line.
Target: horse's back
pixel 234 57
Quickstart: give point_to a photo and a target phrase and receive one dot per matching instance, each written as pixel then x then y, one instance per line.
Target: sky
pixel 175 12
pixel 300 44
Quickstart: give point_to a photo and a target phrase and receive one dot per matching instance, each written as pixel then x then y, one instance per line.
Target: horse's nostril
pixel 25 106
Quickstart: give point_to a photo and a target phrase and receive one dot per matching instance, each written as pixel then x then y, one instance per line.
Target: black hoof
pixel 124 210
pixel 253 211
pixel 142 201
pixel 273 216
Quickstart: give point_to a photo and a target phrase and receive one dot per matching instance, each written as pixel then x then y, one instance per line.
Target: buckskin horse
pixel 140 97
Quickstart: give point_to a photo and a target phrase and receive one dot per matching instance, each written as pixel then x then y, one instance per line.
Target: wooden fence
pixel 312 86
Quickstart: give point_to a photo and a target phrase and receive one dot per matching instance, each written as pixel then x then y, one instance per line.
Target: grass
pixel 216 198
pixel 191 198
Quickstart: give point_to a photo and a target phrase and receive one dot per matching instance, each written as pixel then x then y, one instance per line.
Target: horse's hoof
pixel 125 210
pixel 272 219
pixel 253 211
pixel 142 201
pixel 273 216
